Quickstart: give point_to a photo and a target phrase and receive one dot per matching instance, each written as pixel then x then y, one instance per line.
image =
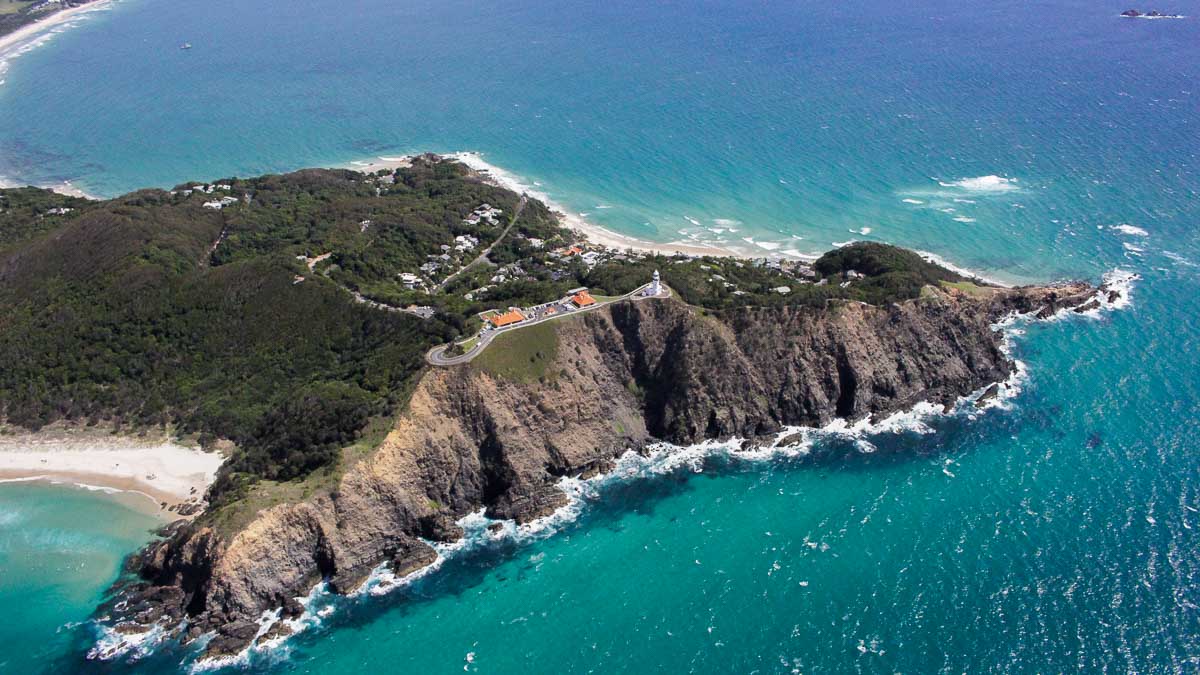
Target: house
pixel 506 319
pixel 218 204
pixel 409 279
pixel 582 299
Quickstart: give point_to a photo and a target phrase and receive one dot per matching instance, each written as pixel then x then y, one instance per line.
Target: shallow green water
pixel 60 549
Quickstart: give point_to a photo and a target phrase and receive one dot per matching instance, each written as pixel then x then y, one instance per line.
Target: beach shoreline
pixel 12 42
pixel 165 475
pixel 593 233
pixel 29 37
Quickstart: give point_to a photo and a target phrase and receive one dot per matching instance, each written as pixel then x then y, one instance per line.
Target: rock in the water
pixel 988 394
pixel 231 639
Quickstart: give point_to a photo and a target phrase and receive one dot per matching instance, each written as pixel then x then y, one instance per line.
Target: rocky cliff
pixel 618 378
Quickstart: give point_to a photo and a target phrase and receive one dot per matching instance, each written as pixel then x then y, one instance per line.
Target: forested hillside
pixel 268 311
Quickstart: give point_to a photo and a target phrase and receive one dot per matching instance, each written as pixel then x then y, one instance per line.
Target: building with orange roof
pixel 574 250
pixel 583 299
pixel 506 319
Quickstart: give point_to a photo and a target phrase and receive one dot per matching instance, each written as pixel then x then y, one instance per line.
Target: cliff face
pixel 620 377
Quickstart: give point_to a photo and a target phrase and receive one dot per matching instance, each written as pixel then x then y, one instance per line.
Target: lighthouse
pixel 655 287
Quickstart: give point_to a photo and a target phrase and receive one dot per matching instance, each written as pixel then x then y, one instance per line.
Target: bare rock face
pixel 621 377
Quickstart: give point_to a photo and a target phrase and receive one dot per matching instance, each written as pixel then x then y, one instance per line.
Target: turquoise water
pixel 1059 534
pixel 60 549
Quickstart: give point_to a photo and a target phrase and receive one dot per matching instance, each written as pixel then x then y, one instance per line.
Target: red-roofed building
pixel 582 299
pixel 506 319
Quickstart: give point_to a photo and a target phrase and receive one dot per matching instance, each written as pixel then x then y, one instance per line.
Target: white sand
pixel 160 469
pixel 592 232
pixel 12 42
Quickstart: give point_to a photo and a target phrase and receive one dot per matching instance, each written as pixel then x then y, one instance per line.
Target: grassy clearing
pixel 13 6
pixel 522 355
pixel 969 288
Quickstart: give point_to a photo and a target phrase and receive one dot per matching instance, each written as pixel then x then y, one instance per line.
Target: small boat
pixel 186 45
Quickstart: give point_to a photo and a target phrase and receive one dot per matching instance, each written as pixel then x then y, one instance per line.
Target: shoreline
pixel 30 37
pixel 162 474
pixel 12 43
pixel 590 231
pixel 602 236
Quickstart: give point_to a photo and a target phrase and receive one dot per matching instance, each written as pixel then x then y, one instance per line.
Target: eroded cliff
pixel 615 380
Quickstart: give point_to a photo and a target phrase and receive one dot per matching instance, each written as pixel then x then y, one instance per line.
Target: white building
pixel 655 287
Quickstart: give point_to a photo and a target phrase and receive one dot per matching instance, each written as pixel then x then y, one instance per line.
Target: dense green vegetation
pixel 889 274
pixel 28 212
pixel 241 322
pixel 125 313
pixel 17 13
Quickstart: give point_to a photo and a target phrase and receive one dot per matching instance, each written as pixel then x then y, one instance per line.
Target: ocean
pixel 61 546
pixel 1028 141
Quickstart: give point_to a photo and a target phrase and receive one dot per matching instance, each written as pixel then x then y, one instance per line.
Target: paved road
pixel 437 355
pixel 483 255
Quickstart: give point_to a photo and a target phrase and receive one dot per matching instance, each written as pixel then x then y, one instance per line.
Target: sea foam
pixel 983 184
pixel 661 459
pixel 1131 230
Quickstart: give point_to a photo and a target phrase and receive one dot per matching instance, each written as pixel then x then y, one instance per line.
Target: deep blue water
pixel 1057 535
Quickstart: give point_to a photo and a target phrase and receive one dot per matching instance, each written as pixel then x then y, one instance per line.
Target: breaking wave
pixel 660 459
pixel 989 183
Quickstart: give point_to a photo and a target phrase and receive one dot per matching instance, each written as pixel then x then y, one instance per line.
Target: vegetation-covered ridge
pixel 257 310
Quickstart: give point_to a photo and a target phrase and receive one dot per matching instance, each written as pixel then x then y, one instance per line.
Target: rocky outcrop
pixel 620 378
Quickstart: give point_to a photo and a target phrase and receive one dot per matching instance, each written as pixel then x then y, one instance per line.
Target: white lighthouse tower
pixel 655 287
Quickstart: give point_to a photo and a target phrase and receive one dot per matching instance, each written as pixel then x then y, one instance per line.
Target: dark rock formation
pixel 621 378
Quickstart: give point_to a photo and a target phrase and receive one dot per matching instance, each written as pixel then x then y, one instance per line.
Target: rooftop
pixel 583 299
pixel 506 319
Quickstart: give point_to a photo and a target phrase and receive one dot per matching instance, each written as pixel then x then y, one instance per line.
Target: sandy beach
pixel 159 469
pixel 592 232
pixel 12 44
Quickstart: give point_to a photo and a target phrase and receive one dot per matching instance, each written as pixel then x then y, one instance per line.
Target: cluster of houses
pixel 218 204
pixel 203 189
pixel 463 243
pixel 215 204
pixel 799 271
pixel 486 212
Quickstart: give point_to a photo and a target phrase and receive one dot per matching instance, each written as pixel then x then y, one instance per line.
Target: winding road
pixel 484 254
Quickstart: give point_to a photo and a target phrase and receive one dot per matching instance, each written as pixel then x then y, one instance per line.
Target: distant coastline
pixel 11 42
pixel 31 36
